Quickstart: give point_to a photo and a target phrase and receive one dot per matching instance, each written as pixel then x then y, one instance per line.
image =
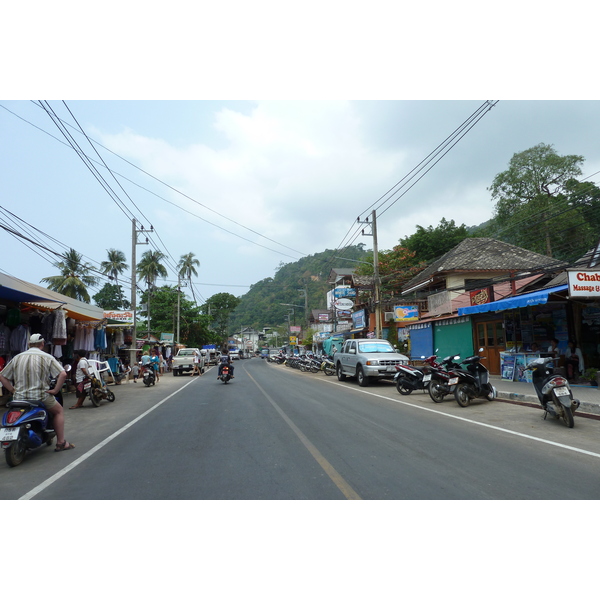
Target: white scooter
pixel 553 391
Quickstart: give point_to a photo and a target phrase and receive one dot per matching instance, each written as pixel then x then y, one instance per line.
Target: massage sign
pixel 584 283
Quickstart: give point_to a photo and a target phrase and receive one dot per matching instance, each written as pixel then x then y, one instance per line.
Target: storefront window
pixel 499 334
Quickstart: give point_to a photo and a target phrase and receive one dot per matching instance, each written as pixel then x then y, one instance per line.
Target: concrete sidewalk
pixel 517 391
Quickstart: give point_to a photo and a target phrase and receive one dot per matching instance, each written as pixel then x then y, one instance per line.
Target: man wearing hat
pixel 27 375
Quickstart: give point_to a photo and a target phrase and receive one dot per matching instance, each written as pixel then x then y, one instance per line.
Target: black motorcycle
pixel 148 375
pixel 225 375
pixel 440 386
pixel 474 382
pixel 553 391
pixel 409 378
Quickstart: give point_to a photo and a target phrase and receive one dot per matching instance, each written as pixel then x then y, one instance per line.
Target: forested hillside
pixel 262 305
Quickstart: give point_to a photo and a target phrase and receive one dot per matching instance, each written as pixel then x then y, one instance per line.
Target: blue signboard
pixel 344 292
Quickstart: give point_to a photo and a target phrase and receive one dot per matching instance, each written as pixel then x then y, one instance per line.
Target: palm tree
pixel 74 277
pixel 150 267
pixel 187 267
pixel 115 264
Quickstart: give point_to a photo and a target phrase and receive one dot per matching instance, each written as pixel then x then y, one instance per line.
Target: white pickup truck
pixel 184 361
pixel 367 359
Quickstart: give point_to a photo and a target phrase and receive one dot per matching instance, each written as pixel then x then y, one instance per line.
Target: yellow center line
pixel 339 481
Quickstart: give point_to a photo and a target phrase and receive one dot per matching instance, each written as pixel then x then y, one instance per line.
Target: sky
pixel 248 185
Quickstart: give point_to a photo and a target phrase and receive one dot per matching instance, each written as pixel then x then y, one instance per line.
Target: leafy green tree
pixel 74 278
pixel 219 307
pixel 396 267
pixel 194 327
pixel 431 243
pixel 111 297
pixel 532 200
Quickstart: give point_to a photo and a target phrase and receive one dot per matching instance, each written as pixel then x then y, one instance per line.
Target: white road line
pixel 36 490
pixel 437 412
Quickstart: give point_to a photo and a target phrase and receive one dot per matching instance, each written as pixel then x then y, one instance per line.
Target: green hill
pixel 262 306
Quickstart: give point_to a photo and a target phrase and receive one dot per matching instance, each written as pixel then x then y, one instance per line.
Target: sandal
pixel 64 446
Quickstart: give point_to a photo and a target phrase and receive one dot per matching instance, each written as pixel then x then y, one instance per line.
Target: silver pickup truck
pixel 366 359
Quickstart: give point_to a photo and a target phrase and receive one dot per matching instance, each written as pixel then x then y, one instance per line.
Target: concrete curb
pixel 586 409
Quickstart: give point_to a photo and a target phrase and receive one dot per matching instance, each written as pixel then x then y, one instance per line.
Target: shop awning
pixel 18 290
pixel 15 290
pixel 538 297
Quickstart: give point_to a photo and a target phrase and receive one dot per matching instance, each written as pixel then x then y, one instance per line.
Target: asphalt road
pixel 276 433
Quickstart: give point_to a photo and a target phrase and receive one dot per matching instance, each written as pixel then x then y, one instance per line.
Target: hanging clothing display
pixel 59 329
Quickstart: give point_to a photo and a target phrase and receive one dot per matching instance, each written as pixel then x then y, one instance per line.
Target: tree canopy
pixel 430 243
pixel 74 279
pixel 542 206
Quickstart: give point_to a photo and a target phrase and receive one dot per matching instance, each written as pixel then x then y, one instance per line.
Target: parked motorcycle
pixel 26 425
pixel 98 389
pixel 440 386
pixel 225 375
pixel 553 391
pixel 410 378
pixel 327 366
pixel 474 382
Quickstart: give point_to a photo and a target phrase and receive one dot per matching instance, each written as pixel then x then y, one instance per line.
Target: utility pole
pixel 304 291
pixel 376 283
pixel 134 244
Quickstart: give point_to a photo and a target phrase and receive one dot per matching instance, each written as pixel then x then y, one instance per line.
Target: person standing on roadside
pixel 27 376
pixel 82 376
pixel 155 364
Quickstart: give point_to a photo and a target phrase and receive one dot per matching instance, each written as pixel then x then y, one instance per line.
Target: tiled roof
pixel 485 254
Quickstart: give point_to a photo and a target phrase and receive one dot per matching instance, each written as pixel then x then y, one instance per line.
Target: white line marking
pixel 36 490
pixel 437 412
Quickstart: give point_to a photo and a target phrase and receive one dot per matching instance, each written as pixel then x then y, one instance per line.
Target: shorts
pixel 49 401
pixel 80 391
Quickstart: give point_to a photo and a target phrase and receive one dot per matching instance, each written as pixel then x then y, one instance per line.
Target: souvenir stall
pixel 26 308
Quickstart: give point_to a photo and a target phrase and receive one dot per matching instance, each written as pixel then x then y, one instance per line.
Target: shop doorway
pixel 490 336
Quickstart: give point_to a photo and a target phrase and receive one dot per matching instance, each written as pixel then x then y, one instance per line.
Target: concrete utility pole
pixel 376 282
pixel 134 244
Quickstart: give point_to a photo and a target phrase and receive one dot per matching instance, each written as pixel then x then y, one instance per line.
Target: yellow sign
pixel 293 340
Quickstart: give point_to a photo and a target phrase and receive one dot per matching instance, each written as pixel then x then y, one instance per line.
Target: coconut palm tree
pixel 150 267
pixel 74 277
pixel 187 267
pixel 115 264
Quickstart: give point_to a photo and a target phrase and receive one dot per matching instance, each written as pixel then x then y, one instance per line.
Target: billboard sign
pixel 584 283
pixel 403 314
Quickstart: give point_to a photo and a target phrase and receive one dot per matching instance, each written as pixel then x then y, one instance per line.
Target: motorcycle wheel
pixel 402 388
pixel 15 454
pixel 461 393
pixel 110 396
pixel 436 392
pixel 329 371
pixel 95 398
pixel 147 382
pixel 567 417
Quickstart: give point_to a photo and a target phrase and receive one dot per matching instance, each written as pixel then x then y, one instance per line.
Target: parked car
pixel 368 359
pixel 184 361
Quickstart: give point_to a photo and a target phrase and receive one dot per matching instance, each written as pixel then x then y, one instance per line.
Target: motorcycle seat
pixel 25 404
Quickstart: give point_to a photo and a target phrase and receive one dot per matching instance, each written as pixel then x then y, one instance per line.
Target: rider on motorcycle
pixel 26 377
pixel 225 360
